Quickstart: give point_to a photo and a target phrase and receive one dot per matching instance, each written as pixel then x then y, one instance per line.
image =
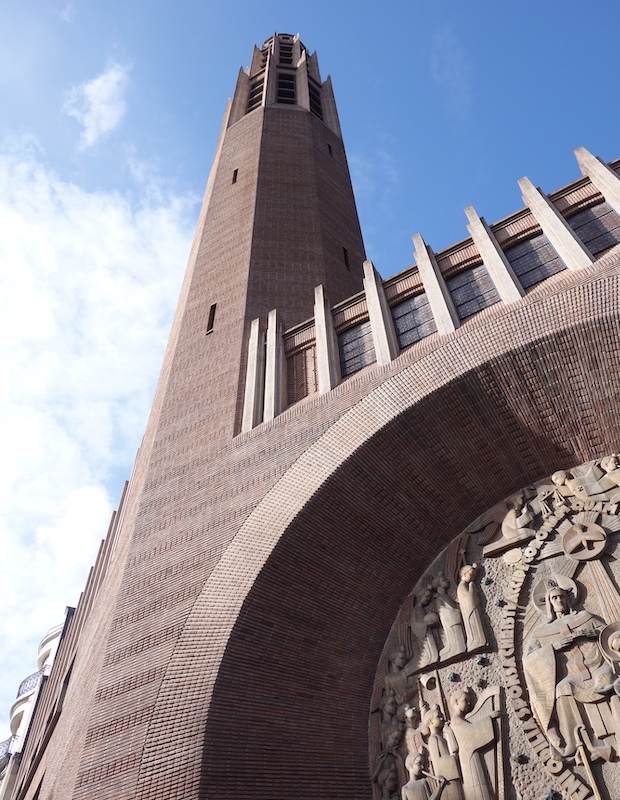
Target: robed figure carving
pixel 423 620
pixel 567 676
pixel 476 739
pixel 468 595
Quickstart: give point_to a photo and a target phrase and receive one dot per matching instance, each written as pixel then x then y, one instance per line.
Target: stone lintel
pixel 569 247
pixel 439 299
pixel 380 316
pixel 498 266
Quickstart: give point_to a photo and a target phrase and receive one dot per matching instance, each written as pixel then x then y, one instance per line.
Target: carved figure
pixel 518 518
pixel 450 618
pixel 388 706
pixel 565 672
pixel 417 787
pixel 387 781
pixel 468 595
pixel 423 620
pixel 442 753
pixel 413 734
pixel 389 760
pixel 611 480
pixel 515 526
pixel 396 680
pixel 471 738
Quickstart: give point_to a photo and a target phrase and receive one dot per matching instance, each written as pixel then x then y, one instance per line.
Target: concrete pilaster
pixel 270 92
pixel 442 307
pixel 568 246
pixel 602 176
pixel 381 322
pixel 273 368
pixel 252 404
pixel 240 98
pixel 301 83
pixel 498 266
pixel 327 366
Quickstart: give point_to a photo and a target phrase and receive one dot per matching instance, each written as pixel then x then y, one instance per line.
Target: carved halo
pixel 539 593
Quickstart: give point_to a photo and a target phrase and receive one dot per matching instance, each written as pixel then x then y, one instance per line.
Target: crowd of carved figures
pixel 420 752
pixel 439 738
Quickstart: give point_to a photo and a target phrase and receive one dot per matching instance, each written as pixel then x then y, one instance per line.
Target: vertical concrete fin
pixel 569 247
pixel 273 367
pixel 439 299
pixel 253 379
pixel 601 175
pixel 381 323
pixel 328 371
pixel 502 274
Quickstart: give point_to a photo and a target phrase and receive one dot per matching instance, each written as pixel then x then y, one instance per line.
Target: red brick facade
pixel 226 643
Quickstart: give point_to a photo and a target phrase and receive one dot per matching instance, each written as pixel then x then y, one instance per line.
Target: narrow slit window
pixel 345 256
pixel 235 173
pixel 331 152
pixel 211 319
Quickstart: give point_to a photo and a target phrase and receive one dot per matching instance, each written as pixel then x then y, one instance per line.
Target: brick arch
pixel 272 676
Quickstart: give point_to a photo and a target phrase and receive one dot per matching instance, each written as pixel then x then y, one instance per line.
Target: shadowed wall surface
pixel 305 594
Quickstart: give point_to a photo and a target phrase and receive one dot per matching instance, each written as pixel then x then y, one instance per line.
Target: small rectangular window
pixel 345 256
pixel 235 173
pixel 331 152
pixel 211 319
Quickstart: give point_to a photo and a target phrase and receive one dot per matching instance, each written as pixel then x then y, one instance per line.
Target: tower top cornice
pixel 284 73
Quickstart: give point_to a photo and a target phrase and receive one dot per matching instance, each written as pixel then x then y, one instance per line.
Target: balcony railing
pixel 29 683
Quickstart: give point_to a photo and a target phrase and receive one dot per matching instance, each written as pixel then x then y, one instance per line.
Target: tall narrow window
pixel 314 91
pixel 345 256
pixel 255 97
pixel 235 173
pixel 329 149
pixel 211 319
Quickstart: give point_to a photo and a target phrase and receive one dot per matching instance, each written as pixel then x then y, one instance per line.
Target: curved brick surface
pixel 266 693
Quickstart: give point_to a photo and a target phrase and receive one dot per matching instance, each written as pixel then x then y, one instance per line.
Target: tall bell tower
pixel 278 219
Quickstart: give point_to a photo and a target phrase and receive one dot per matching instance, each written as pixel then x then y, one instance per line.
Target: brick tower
pixel 293 485
pixel 278 218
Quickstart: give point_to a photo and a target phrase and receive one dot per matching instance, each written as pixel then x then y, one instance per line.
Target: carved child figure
pixel 441 752
pixel 471 738
pixel 417 787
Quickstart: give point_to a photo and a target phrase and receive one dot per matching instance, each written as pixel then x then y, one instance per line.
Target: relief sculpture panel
pixel 500 677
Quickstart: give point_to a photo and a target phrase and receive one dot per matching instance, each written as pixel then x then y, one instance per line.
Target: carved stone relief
pixel 501 675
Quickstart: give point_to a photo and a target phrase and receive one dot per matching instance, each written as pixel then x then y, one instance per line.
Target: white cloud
pixel 451 71
pixel 88 282
pixel 99 105
pixel 67 12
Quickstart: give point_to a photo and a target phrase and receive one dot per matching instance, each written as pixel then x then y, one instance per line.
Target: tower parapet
pixel 283 72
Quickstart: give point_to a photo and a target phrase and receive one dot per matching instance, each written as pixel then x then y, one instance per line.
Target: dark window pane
pixel 533 260
pixel 413 320
pixel 472 290
pixel 597 227
pixel 356 349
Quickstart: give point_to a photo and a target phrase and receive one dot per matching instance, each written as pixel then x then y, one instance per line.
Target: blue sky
pixel 110 114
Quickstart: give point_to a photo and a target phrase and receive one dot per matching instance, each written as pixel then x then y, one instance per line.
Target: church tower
pixel 277 220
pixel 297 588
